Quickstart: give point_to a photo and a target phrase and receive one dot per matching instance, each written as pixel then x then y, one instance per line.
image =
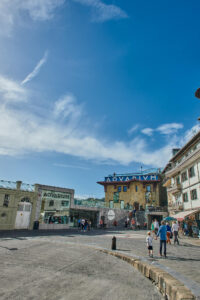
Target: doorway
pixel 23 216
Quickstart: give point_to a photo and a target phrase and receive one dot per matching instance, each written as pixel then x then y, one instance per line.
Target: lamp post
pixel 197 95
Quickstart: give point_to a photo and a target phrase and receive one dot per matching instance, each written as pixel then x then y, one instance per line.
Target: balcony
pixel 175 206
pixel 156 209
pixel 174 189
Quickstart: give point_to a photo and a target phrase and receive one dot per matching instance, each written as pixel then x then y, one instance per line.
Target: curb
pixel 169 286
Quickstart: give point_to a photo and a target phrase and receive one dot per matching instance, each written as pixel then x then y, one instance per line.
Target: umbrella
pixel 170 219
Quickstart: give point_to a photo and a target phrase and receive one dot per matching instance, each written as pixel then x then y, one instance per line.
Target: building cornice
pixel 189 160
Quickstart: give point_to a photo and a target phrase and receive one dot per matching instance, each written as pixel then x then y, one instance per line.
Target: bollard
pixel 113 247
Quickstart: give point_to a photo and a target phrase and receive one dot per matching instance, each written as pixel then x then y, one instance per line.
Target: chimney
pixel 18 184
pixel 174 151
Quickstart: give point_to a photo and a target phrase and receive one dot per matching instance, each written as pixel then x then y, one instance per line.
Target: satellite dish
pixel 197 93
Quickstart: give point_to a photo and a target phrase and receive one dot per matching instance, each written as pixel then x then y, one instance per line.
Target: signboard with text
pixel 124 178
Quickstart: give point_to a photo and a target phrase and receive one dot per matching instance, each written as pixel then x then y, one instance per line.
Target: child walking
pixel 149 241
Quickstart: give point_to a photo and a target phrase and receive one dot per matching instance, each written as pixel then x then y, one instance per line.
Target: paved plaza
pixel 68 265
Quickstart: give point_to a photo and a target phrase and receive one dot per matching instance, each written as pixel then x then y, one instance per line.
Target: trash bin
pixel 36 225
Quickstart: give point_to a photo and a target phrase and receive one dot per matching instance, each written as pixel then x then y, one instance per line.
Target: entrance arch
pixel 23 216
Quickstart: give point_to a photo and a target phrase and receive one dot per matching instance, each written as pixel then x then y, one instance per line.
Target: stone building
pixel 137 191
pixel 17 205
pixel 53 206
pixel 182 179
pixel 22 206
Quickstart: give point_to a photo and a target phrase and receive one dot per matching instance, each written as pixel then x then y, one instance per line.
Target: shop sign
pixel 55 195
pixel 129 178
pixel 111 215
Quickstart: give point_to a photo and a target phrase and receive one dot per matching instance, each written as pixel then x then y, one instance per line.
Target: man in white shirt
pixel 156 226
pixel 175 228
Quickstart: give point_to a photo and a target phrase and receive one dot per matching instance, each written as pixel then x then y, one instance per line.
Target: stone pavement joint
pixel 169 286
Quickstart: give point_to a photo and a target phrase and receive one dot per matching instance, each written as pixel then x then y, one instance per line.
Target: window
pixel 111 203
pixel 65 203
pixel 119 188
pixel 191 172
pixel 136 188
pixel 148 188
pixel 184 176
pixel 6 200
pixel 51 203
pixel 178 180
pixel 185 197
pixel 122 204
pixel 25 199
pixel 116 197
pixel 193 194
pixel 125 188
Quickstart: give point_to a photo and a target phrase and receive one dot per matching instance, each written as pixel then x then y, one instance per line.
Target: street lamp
pixel 197 93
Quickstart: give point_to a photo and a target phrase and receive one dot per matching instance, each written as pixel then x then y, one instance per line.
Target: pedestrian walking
pixel 133 223
pixel 137 224
pixel 152 228
pixel 149 241
pixel 175 232
pixel 156 226
pixel 82 224
pixel 169 231
pixel 162 232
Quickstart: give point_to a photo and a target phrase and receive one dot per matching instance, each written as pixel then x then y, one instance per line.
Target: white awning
pixel 182 215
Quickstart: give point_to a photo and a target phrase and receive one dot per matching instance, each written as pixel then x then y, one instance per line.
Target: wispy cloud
pixel 71 166
pixel 68 134
pixel 11 12
pixel 165 129
pixel 11 90
pixel 133 129
pixel 147 131
pixel 36 69
pixel 169 128
pixel 103 12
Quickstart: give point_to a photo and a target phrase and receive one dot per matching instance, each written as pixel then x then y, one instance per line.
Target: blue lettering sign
pixel 151 177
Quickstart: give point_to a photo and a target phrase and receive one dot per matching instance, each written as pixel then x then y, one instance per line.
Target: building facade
pixel 182 175
pixel 137 191
pixel 17 205
pixel 23 205
pixel 53 206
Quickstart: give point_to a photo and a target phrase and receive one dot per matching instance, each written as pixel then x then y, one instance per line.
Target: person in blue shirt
pixel 162 233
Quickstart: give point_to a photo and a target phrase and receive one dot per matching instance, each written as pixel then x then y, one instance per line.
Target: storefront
pixel 189 222
pixel 54 208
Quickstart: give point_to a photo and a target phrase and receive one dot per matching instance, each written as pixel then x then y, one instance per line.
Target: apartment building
pixel 182 175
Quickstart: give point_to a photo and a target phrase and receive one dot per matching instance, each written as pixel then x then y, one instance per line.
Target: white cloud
pixel 71 166
pixel 166 129
pixel 67 107
pixel 62 130
pixel 103 12
pixel 169 128
pixel 189 134
pixel 36 69
pixel 147 131
pixel 11 90
pixel 11 11
pixel 133 129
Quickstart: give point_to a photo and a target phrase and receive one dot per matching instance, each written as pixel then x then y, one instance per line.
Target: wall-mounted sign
pixel 129 178
pixel 55 195
pixel 111 215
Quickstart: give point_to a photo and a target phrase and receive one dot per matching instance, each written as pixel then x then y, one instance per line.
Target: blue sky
pixel 92 87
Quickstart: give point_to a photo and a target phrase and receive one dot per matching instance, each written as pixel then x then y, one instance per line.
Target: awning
pixel 182 215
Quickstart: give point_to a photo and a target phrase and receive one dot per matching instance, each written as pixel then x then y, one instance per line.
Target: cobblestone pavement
pixel 53 267
pixel 183 261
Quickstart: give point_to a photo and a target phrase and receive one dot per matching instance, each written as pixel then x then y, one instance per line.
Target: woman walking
pixel 169 231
